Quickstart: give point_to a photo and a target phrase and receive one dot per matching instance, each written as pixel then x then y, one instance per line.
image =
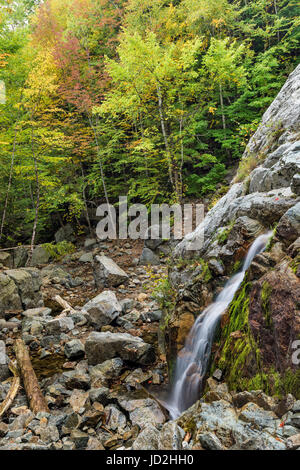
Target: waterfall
pixel 193 359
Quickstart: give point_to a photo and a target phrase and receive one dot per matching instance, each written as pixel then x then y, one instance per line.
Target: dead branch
pixel 6 404
pixel 35 397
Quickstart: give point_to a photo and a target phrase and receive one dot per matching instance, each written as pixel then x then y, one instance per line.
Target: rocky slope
pixel 254 347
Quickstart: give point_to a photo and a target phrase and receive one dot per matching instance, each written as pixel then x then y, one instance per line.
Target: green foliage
pixel 59 250
pixel 153 98
pixel 164 294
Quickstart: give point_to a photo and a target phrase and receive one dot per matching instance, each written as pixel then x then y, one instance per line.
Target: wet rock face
pixel 274 316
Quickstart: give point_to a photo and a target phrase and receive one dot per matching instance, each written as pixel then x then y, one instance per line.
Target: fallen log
pixel 6 404
pixel 35 397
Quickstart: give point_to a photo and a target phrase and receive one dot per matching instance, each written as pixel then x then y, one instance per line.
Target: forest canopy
pixel 147 98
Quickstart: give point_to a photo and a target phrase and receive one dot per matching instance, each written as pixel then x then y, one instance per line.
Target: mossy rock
pixel 256 334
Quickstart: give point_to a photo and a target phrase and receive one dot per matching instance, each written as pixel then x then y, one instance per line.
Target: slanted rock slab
pixel 107 273
pixel 102 346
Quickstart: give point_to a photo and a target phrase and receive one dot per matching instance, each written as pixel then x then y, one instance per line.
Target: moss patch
pixel 266 292
pixel 59 250
pixel 238 353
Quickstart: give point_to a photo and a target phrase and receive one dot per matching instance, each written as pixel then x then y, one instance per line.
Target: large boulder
pixel 289 225
pixel 39 256
pixel 102 346
pixel 143 412
pixel 9 295
pixel 103 309
pixel 20 257
pixel 28 282
pixel 148 257
pixel 258 334
pixel 65 233
pixel 218 425
pixel 107 273
pixel 6 259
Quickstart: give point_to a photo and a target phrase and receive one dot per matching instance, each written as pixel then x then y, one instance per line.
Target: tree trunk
pixel 85 203
pixel 35 397
pixel 101 169
pixel 37 207
pixel 9 183
pixel 222 106
pixel 172 164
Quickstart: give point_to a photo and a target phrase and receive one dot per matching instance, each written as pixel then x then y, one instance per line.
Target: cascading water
pixel 192 361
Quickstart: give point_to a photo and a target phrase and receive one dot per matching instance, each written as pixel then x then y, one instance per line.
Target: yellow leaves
pixel 212 109
pixel 218 22
pixel 42 81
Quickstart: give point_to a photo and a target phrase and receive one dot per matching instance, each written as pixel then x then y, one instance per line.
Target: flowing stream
pixel 193 359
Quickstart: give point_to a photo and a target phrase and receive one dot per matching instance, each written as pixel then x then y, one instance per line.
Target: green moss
pixel 59 250
pixel 266 292
pixel 236 266
pixel 222 237
pixel 248 164
pixel 239 355
pixel 164 294
pixel 295 263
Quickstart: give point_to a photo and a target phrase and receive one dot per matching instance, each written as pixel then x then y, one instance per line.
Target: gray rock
pixel 143 412
pixel 9 295
pixel 117 420
pixel 295 420
pixel 39 256
pixel 76 380
pixel 295 185
pixel 126 305
pixel 251 413
pixel 101 346
pixel 154 236
pixel 80 439
pixel 65 233
pixel 86 258
pixel 74 349
pixel 107 273
pixel 20 257
pixel 6 259
pixel 90 243
pixel 171 437
pixel 28 284
pixel 49 434
pixel 59 325
pixel 210 441
pixel 289 225
pixel 147 439
pixel 109 369
pixel 148 257
pixel 296 407
pixel 99 395
pixel 37 312
pixel 103 309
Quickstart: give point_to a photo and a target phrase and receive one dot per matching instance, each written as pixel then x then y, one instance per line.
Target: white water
pixel 192 361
